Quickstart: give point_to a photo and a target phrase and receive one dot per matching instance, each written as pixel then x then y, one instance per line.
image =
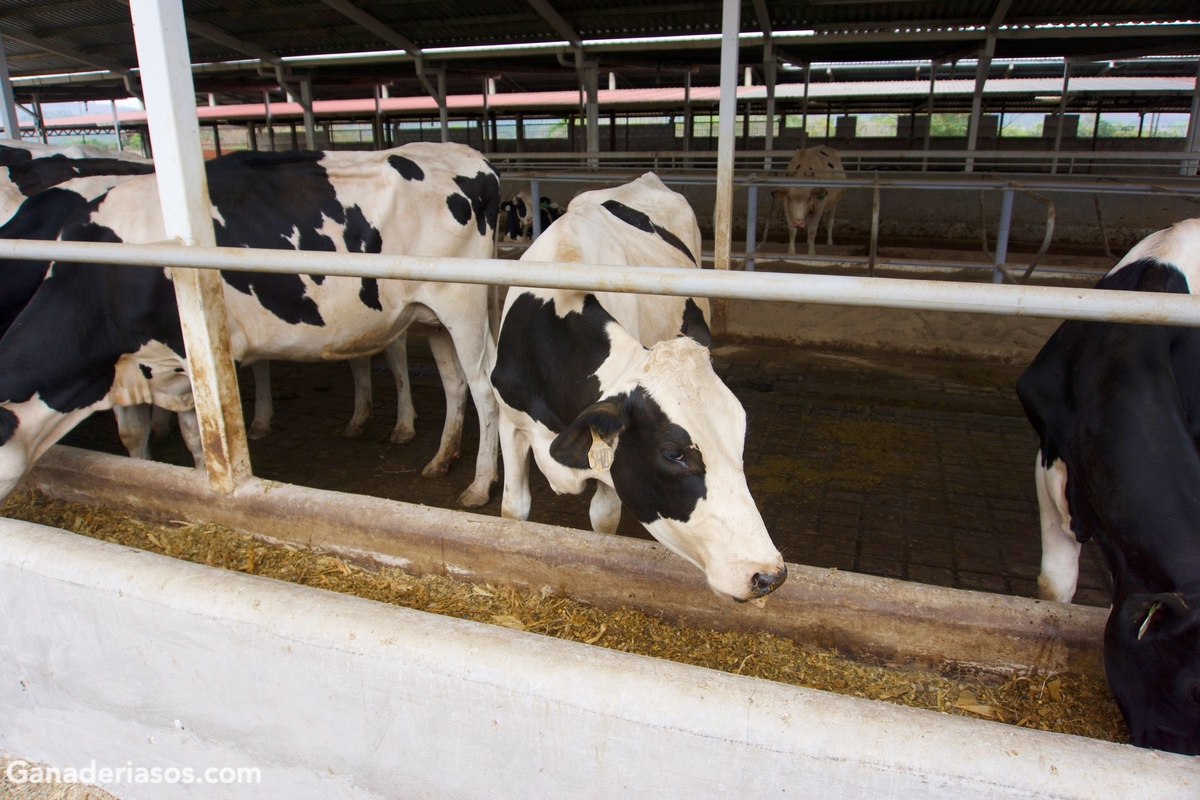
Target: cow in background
pixel 95 336
pixel 620 388
pixel 1116 407
pixel 803 206
pixel 518 216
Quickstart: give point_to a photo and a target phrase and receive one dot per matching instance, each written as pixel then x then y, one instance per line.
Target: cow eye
pixel 675 455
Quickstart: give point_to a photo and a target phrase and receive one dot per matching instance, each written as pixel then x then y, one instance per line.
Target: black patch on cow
pixel 145 371
pixel 642 221
pixel 8 420
pixel 317 279
pixel 369 294
pixel 408 169
pixel 656 470
pixel 13 155
pixel 546 364
pixel 266 199
pixel 35 176
pixel 65 345
pixel 460 208
pixel 360 236
pixel 40 217
pixel 483 193
pixel 694 325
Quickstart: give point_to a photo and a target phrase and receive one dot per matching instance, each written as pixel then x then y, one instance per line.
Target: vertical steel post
pixel 933 65
pixel 1062 109
pixel 1006 205
pixel 270 131
pixel 217 139
pixel 593 113
pixel 443 113
pixel 117 126
pixel 727 117
pixel 769 68
pixel 804 107
pixel 535 197
pixel 874 228
pixel 689 123
pixel 161 38
pixel 39 119
pixel 981 75
pixel 8 103
pixel 310 122
pixel 1192 141
pixel 751 222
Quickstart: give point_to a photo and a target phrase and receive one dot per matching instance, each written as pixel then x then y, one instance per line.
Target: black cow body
pixel 96 336
pixel 1117 410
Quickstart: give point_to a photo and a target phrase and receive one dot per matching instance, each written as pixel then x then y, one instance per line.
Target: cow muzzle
pixel 796 223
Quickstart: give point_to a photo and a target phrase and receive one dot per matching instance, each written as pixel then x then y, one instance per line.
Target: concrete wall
pixel 123 656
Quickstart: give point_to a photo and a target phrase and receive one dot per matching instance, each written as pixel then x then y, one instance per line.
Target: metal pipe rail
pixel 1003 300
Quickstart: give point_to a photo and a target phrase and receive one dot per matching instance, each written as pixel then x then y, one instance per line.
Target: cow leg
pixel 189 428
pixel 396 354
pixel 160 421
pixel 516 501
pixel 260 426
pixel 1060 548
pixel 360 368
pixel 133 424
pixel 476 353
pixel 605 510
pixel 829 226
pixel 791 239
pixel 455 386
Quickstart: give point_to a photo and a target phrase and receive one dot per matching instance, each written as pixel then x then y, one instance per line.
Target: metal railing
pixel 1029 301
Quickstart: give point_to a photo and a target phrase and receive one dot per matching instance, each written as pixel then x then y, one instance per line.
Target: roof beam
pixel 64 50
pixel 375 26
pixel 764 16
pixel 215 34
pixel 560 25
pixel 998 15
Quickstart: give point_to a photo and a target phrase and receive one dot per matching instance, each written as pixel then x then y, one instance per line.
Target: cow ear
pixel 779 193
pixel 694 326
pixel 584 441
pixel 1149 617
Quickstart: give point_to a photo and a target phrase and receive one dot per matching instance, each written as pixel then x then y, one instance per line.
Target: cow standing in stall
pixel 620 388
pixel 97 336
pixel 518 216
pixel 1116 407
pixel 803 206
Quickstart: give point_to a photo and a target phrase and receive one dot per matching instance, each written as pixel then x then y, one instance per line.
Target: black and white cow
pixel 97 336
pixel 620 388
pixel 518 215
pixel 1117 409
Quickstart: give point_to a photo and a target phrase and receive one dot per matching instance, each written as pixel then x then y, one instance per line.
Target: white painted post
pixel 535 196
pixel 161 38
pixel 727 116
pixel 8 103
pixel 1006 205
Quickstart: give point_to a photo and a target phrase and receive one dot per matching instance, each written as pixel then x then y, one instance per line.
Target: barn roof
pixel 377 39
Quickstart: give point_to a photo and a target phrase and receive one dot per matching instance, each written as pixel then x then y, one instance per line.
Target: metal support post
pixel 270 129
pixel 310 123
pixel 8 103
pixel 727 116
pixel 443 114
pixel 117 126
pixel 251 136
pixel 981 75
pixel 804 107
pixel 689 123
pixel 1062 109
pixel 217 140
pixel 933 65
pixel 1006 205
pixel 769 69
pixel 377 128
pixel 161 38
pixel 593 112
pixel 38 118
pixel 535 197
pixel 520 133
pixel 751 222
pixel 483 130
pixel 874 228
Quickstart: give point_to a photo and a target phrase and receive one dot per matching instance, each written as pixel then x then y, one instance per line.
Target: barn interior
pixel 885 441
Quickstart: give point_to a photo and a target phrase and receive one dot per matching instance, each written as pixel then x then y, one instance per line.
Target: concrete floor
pixel 910 467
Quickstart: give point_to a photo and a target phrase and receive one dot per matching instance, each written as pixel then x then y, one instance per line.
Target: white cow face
pixel 802 205
pixel 676 434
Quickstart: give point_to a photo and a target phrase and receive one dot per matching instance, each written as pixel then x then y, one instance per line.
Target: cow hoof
pixel 353 432
pixel 402 435
pixel 435 469
pixel 473 499
pixel 258 431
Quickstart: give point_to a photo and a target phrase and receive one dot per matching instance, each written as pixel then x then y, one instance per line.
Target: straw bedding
pixel 1062 702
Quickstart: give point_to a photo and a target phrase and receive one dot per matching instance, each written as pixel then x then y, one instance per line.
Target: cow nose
pixel 763 583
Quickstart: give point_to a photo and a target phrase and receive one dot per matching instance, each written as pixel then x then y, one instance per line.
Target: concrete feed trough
pixel 123 656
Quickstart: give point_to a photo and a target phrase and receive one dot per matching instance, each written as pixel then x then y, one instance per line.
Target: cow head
pixel 1152 657
pixel 668 436
pixel 802 205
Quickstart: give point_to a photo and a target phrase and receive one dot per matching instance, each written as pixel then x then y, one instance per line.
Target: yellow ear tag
pixel 600 455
